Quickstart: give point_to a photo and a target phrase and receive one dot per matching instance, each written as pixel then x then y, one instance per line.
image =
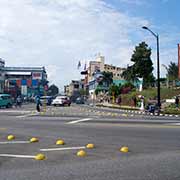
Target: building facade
pixel 95 70
pixel 26 81
pixel 74 89
pixel 117 71
pixel 2 75
pixel 97 65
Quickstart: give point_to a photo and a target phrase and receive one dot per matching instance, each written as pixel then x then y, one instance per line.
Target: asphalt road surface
pixel 154 144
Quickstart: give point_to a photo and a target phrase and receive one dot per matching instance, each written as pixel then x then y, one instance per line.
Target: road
pixel 154 144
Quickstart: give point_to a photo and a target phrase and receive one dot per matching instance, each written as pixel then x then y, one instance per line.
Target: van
pixel 5 100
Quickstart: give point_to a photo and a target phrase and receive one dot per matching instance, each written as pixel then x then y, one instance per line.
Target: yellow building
pixel 99 65
pixel 117 71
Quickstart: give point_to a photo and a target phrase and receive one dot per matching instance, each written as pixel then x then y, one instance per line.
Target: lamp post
pixel 158 71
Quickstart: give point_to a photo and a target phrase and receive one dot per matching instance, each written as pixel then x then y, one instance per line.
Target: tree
pixel 107 79
pixel 172 71
pixel 114 90
pixel 53 90
pixel 142 66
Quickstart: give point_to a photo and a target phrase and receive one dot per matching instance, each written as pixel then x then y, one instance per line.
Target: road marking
pixel 27 115
pixel 80 120
pixel 15 142
pixel 14 111
pixel 164 126
pixel 17 156
pixel 63 149
pixel 174 124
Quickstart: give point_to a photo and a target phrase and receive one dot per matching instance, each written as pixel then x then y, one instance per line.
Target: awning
pixel 18 73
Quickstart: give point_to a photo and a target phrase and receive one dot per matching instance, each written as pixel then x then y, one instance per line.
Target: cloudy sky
pixel 58 33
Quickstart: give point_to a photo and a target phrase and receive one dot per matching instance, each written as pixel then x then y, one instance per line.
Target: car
pixel 61 101
pixel 6 100
pixel 80 100
pixel 46 100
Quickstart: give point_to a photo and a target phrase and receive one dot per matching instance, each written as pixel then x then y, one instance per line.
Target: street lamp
pixel 158 71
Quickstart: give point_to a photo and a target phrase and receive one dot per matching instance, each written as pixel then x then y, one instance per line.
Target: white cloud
pixel 58 33
pixel 134 2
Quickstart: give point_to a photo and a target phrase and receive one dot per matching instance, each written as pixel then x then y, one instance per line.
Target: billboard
pixel 178 61
pixel 24 90
pixel 37 75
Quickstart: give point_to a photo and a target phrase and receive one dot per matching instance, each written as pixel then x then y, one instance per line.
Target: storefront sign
pixel 37 75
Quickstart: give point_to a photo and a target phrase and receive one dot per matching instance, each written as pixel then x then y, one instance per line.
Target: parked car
pixel 46 100
pixel 5 100
pixel 80 100
pixel 61 101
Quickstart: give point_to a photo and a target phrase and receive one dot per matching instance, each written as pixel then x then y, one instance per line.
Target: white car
pixel 61 101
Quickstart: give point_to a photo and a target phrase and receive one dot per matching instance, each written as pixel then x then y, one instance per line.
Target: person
pixel 18 101
pixel 38 103
pixel 177 101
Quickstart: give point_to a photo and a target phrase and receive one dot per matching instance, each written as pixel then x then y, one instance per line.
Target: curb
pixel 142 112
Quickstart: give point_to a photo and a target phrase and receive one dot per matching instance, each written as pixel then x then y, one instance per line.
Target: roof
pixel 31 69
pixel 17 73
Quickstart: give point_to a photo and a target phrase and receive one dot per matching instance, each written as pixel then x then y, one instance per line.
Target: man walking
pixel 38 103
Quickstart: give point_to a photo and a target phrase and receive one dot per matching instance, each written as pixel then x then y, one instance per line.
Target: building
pixel 117 73
pixel 97 65
pixel 26 81
pixel 2 75
pixel 74 89
pixel 95 70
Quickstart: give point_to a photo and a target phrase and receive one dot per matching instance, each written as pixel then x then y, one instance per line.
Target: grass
pixel 150 94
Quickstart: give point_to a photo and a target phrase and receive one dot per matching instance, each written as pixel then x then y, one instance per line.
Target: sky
pixel 58 34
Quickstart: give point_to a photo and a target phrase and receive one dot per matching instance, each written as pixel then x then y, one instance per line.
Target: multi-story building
pixel 117 73
pixel 2 76
pixel 97 65
pixel 27 81
pixel 73 90
pixel 95 70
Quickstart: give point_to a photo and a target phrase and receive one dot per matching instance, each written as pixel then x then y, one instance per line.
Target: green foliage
pixel 83 92
pixel 53 90
pixel 97 90
pixel 172 71
pixel 150 93
pixel 171 110
pixel 107 78
pixel 142 66
pixel 114 90
pixel 129 74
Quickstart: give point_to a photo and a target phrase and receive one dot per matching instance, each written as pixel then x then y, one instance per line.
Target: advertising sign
pixel 37 75
pixel 24 90
pixel 34 83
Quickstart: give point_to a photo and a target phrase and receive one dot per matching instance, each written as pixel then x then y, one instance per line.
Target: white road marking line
pixel 17 156
pixel 80 120
pixel 63 149
pixel 14 111
pixel 27 115
pixel 15 142
pixel 175 124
